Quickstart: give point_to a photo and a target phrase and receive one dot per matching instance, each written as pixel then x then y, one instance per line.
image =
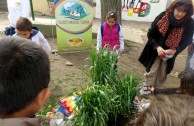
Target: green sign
pixel 74 25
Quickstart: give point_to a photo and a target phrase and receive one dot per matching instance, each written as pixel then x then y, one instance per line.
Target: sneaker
pixel 142 107
pixel 141 104
pixel 145 90
pixel 137 100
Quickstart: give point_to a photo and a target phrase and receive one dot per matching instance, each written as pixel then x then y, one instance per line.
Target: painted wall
pixel 138 10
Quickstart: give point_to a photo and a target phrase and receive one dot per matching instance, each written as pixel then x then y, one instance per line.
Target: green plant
pixel 103 67
pixel 109 96
pixel 100 103
pixel 96 105
pixel 127 90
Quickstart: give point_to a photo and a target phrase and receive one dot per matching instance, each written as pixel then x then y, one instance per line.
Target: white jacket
pixel 16 9
pixel 38 38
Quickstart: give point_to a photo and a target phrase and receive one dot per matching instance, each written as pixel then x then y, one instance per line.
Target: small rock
pixel 54 51
pixel 68 63
pixel 174 74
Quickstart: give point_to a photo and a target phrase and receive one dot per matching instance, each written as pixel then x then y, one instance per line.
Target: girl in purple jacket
pixel 110 34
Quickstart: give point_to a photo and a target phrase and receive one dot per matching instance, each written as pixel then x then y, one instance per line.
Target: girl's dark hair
pixel 111 14
pixel 185 5
pixel 187 81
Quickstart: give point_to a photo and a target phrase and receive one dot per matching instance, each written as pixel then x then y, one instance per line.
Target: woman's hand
pixel 160 51
pixel 170 51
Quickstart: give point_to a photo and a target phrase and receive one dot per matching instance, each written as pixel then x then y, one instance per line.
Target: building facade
pixel 139 10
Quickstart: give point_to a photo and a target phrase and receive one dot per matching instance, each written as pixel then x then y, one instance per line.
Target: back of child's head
pixel 24 73
pixel 168 110
pixel 24 24
pixel 187 81
pixel 111 14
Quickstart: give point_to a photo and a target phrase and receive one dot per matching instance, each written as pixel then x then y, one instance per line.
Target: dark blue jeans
pixel 10 31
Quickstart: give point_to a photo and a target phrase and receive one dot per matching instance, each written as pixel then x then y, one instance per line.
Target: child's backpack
pixel 102 28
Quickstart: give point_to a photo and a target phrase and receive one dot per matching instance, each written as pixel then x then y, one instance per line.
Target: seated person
pixel 168 110
pixel 24 79
pixel 186 85
pixel 24 29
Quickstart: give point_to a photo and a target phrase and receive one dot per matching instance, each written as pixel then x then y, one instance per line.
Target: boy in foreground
pixel 24 79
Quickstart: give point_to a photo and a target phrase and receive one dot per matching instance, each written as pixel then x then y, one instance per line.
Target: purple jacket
pixel 110 37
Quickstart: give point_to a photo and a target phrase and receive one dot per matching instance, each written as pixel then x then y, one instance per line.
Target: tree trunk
pixel 108 5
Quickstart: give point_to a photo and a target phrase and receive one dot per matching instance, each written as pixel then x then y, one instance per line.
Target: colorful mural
pixel 138 10
pixel 73 10
pixel 137 7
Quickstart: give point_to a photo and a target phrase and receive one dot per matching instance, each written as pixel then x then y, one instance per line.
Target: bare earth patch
pixel 69 77
pixel 66 78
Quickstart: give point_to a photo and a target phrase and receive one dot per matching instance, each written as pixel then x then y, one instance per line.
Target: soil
pixel 75 76
pixel 128 63
pixel 66 78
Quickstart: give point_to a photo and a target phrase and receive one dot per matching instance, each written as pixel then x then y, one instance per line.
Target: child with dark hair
pixel 24 79
pixel 168 110
pixel 186 85
pixel 24 29
pixel 110 34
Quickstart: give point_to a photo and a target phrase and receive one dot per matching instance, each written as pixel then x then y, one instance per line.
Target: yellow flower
pixel 50 114
pixel 49 106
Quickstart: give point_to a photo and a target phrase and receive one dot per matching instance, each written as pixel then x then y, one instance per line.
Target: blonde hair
pixel 168 110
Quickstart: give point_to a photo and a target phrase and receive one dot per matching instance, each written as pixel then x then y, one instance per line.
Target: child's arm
pixel 166 91
pixel 121 39
pixel 44 43
pixel 25 8
pixel 99 40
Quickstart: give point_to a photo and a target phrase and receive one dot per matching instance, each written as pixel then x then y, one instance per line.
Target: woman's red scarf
pixel 174 37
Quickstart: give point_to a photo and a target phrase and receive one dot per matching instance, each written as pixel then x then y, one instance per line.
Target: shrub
pixel 109 96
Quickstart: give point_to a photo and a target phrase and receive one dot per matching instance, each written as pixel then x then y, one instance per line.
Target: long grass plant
pixel 109 96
